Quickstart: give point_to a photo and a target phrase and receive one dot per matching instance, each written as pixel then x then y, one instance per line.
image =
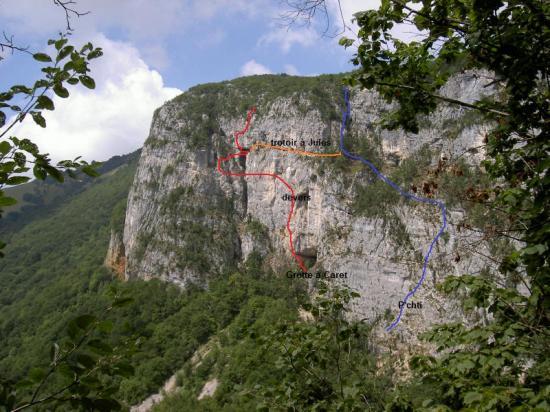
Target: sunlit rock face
pixel 186 221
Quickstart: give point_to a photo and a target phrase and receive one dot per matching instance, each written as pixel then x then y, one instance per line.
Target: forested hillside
pixel 53 271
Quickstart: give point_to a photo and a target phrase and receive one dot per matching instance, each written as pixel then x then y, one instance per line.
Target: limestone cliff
pixel 185 221
pixel 115 260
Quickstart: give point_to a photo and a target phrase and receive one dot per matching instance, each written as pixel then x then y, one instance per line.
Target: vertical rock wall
pixel 186 222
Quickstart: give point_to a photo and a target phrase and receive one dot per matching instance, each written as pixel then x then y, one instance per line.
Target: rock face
pixel 148 403
pixel 185 221
pixel 209 389
pixel 115 260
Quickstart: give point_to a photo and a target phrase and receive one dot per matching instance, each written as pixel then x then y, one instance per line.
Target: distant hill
pixel 38 198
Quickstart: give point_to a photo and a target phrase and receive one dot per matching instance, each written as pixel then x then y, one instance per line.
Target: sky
pixel 155 50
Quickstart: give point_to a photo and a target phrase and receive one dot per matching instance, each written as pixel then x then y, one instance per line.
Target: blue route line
pixel 438 203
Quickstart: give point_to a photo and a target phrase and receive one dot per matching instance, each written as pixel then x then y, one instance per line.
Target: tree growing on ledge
pixel 501 365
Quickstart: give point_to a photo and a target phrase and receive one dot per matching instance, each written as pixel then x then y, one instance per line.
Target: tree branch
pixel 8 44
pixel 306 10
pixel 67 6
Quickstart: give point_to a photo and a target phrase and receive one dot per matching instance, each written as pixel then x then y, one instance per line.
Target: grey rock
pixel 181 210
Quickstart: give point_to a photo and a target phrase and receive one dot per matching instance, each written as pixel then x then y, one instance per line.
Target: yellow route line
pixel 287 149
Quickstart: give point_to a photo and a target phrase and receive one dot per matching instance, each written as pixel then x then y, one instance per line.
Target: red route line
pixel 243 153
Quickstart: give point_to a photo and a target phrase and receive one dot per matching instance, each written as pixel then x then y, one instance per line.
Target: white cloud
pixel 141 19
pixel 345 9
pixel 290 69
pixel 285 38
pixel 252 67
pixel 147 24
pixel 112 119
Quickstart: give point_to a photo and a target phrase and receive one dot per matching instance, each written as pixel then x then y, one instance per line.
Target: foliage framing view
pixel 503 364
pixel 68 66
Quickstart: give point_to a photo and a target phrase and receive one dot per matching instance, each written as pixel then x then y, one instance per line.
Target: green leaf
pixel 124 369
pixel 55 173
pixel 79 65
pixel 60 43
pixel 95 54
pixel 60 90
pixel 122 302
pixel 25 383
pixel 90 381
pixel 17 180
pixel 5 147
pixel 87 81
pixel 38 119
pixel 7 201
pixel 37 374
pixel 89 170
pixel 69 66
pixel 472 397
pixel 72 80
pixel 7 167
pixel 2 119
pixel 39 172
pixel 85 360
pixel 84 321
pixel 6 96
pixel 100 347
pixel 62 76
pixel 535 249
pixel 65 51
pixel 42 57
pixel 86 47
pixel 344 41
pixel 106 405
pixel 28 146
pixel 66 371
pixel 105 326
pixel 465 365
pixel 44 102
pixel 73 330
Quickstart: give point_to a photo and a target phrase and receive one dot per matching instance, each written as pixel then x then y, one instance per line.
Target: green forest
pixel 45 285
